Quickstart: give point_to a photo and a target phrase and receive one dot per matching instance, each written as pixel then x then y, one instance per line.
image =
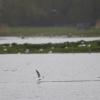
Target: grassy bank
pixel 67 47
pixel 49 31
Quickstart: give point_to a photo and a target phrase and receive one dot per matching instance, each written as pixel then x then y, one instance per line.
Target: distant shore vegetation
pixel 49 12
pixel 50 31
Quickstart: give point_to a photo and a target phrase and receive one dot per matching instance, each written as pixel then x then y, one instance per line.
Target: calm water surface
pixel 39 40
pixel 18 76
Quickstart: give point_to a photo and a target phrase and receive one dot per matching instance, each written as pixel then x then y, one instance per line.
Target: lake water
pixel 39 40
pixel 18 76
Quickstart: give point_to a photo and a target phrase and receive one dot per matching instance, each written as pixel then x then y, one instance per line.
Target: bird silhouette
pixel 38 73
pixel 38 77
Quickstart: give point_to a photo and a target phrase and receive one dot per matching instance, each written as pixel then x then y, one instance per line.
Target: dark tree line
pixel 48 12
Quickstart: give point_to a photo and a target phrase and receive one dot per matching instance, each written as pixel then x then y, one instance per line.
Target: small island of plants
pixel 66 47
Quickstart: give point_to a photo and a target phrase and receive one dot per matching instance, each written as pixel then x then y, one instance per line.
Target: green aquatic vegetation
pixel 66 47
